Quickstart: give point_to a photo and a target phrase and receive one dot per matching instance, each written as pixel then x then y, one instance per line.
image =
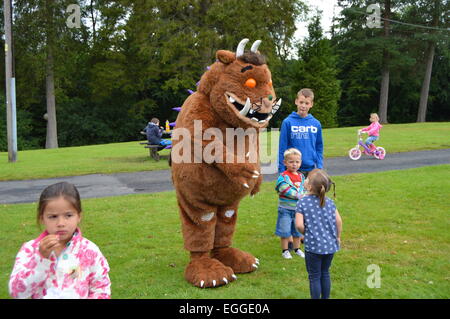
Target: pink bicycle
pixel 376 151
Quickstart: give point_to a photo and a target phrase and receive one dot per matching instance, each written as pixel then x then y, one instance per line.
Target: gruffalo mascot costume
pixel 236 93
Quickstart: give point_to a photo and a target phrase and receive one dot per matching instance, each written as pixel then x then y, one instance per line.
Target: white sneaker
pixel 286 254
pixel 299 253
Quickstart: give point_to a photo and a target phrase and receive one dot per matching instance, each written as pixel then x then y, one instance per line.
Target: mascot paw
pixel 206 272
pixel 240 261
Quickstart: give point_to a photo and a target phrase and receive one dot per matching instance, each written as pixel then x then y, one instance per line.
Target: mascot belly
pixel 215 161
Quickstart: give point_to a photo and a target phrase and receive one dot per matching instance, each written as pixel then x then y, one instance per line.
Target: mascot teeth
pixel 276 106
pixel 246 108
pixel 252 114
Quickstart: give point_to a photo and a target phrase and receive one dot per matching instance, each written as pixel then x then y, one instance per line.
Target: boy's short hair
pixel 292 151
pixel 306 93
pixel 154 120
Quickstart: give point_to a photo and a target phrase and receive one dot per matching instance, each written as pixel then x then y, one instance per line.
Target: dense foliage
pixel 133 60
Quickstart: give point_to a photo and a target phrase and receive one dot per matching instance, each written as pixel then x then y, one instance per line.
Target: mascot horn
pixel 235 95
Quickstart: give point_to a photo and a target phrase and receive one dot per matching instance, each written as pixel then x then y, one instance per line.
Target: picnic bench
pixel 153 149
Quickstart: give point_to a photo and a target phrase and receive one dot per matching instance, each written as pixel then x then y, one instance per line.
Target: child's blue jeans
pixel 371 139
pixel 318 274
pixel 286 223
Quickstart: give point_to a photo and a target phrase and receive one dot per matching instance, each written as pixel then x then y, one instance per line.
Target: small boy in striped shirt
pixel 289 188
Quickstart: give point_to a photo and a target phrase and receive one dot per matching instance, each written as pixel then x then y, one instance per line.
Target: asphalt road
pixel 101 185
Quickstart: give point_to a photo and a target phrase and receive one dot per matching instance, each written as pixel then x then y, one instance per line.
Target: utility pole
pixel 10 84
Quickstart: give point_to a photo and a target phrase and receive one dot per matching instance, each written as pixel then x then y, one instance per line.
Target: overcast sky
pixel 327 15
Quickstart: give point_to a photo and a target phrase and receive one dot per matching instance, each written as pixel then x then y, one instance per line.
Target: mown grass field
pixel 131 157
pixel 397 220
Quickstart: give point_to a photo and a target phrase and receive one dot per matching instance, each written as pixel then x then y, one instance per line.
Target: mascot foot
pixel 205 272
pixel 238 260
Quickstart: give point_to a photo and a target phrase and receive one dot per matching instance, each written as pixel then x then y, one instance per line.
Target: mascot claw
pixel 215 283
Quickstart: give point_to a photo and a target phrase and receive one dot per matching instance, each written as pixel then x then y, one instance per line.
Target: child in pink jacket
pixel 373 130
pixel 60 263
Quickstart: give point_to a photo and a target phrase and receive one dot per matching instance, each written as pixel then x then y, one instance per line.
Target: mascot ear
pixel 225 56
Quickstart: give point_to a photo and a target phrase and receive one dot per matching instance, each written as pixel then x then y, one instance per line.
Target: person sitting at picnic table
pixel 154 133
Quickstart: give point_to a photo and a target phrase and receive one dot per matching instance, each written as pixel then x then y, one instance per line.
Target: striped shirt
pixel 289 188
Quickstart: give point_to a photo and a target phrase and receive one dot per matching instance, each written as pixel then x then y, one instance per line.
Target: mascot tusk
pixel 246 108
pixel 276 107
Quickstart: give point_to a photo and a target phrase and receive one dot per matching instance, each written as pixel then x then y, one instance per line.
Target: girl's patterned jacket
pixel 80 271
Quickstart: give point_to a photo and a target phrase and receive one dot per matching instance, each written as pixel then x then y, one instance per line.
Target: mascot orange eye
pixel 251 83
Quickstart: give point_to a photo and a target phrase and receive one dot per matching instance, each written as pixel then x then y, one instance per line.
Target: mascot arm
pixel 238 169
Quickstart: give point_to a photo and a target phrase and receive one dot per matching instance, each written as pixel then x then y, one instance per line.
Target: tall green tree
pixel 434 17
pixel 130 60
pixel 316 69
pixel 371 55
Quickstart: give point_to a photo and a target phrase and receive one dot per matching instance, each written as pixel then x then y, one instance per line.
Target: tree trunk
pixel 421 115
pixel 94 20
pixel 51 140
pixel 384 90
pixel 422 112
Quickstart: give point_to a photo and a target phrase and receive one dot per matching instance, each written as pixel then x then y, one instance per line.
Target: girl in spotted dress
pixel 60 263
pixel 319 220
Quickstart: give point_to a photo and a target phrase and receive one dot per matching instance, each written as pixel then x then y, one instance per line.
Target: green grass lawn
pixel 398 220
pixel 130 156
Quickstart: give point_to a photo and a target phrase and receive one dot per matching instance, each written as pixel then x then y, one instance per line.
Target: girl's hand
pixel 339 241
pixel 48 244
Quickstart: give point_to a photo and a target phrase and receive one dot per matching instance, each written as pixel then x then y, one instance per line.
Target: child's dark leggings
pixel 318 274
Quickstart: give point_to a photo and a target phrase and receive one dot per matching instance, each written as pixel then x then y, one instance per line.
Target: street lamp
pixel 10 84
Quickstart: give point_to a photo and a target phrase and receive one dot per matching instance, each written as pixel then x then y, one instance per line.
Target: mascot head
pixel 239 87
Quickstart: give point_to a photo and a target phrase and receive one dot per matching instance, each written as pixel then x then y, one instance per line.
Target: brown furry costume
pixel 209 193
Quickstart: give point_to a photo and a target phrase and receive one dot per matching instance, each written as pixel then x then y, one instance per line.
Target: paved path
pixel 101 185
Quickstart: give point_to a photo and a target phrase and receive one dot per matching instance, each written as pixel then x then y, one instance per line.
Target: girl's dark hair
pixel 320 184
pixel 62 189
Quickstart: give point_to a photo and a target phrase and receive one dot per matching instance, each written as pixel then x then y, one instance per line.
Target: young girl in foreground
pixel 60 263
pixel 317 217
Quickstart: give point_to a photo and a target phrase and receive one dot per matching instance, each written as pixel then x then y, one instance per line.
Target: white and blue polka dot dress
pixel 320 225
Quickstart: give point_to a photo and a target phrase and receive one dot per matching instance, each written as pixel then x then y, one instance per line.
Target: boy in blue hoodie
pixel 303 132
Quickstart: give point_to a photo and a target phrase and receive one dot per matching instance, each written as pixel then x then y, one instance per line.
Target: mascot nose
pixel 267 102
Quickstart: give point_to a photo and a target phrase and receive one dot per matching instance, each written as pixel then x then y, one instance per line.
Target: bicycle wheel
pixel 354 153
pixel 380 153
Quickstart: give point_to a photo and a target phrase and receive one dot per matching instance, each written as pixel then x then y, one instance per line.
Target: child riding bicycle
pixel 373 130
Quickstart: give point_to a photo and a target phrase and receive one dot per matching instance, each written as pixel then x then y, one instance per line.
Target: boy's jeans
pixel 318 274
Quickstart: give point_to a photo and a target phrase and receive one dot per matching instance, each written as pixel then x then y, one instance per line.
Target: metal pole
pixel 10 84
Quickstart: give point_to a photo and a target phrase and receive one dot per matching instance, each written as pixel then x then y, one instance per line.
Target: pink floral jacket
pixel 80 271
